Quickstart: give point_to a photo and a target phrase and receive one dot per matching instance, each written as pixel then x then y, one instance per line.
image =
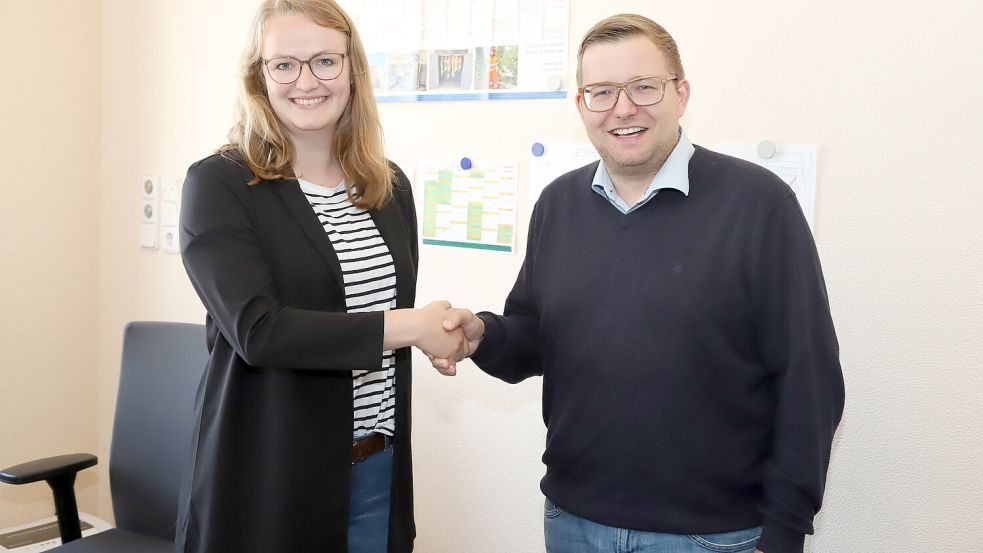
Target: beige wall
pixel 889 91
pixel 49 216
pixel 169 105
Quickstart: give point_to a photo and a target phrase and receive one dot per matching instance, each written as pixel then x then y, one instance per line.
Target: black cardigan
pixel 691 380
pixel 269 465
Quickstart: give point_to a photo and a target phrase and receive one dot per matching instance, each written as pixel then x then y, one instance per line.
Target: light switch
pixel 169 214
pixel 149 217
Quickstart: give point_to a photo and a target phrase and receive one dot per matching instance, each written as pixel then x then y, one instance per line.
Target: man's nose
pixel 623 106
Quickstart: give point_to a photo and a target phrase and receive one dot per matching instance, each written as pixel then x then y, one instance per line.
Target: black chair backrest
pixel 161 369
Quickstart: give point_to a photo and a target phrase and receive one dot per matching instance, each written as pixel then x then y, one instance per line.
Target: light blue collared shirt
pixel 673 174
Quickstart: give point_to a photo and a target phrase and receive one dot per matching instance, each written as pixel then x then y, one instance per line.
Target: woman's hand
pixel 424 328
pixel 473 328
pixel 434 340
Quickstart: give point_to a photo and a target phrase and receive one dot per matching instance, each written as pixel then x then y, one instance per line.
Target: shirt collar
pixel 673 174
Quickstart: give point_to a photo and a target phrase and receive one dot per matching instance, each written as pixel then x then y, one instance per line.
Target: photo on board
pixel 451 69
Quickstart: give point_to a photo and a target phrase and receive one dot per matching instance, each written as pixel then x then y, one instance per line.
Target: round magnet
pixel 465 163
pixel 554 83
pixel 766 149
pixel 537 149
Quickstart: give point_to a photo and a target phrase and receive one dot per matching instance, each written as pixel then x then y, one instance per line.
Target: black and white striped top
pixel 370 285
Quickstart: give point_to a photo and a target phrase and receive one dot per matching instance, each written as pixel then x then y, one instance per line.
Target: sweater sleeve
pixel 800 350
pixel 222 255
pixel 509 349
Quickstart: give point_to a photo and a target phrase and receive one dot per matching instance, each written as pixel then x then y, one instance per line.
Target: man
pixel 672 299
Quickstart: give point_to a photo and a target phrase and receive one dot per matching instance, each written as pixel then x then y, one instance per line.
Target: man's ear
pixel 682 92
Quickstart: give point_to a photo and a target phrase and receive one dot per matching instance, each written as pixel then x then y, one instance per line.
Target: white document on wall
pixel 42 535
pixel 553 159
pixel 469 208
pixel 426 50
pixel 793 163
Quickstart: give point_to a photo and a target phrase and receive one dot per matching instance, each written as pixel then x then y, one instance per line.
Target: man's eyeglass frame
pixel 623 87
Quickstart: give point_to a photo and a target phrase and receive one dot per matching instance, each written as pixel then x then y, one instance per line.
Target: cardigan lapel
pixel 392 228
pixel 304 215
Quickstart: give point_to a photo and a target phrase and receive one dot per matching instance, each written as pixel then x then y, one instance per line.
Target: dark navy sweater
pixel 691 380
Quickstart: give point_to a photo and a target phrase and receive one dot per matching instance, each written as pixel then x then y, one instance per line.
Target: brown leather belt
pixel 364 448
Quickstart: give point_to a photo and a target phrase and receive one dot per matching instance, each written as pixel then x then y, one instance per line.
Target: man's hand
pixel 458 320
pixel 435 339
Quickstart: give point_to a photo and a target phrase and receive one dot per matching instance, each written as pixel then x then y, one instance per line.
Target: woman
pixel 300 239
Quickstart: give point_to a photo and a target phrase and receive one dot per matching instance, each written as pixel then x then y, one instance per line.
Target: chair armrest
pixel 47 468
pixel 59 472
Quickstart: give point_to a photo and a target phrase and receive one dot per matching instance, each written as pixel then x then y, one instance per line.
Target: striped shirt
pixel 370 285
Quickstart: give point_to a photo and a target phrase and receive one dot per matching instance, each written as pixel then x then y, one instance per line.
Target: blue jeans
pixel 567 533
pixel 368 511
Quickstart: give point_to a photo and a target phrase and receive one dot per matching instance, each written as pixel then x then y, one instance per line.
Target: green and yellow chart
pixel 469 208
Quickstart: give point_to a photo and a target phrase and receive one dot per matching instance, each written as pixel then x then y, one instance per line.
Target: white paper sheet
pixel 469 208
pixel 557 158
pixel 793 163
pixel 424 50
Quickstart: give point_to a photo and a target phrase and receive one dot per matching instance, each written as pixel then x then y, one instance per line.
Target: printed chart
pixel 469 208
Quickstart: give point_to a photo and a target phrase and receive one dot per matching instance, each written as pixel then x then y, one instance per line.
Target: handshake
pixel 455 338
pixel 445 334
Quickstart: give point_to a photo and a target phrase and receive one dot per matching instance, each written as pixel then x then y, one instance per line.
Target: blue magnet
pixel 465 163
pixel 537 149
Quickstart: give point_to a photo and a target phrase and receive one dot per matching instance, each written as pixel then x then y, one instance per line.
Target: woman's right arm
pixel 221 253
pixel 423 328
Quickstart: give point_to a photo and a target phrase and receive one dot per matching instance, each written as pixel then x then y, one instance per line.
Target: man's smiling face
pixel 632 140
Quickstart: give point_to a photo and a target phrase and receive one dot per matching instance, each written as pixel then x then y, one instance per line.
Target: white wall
pixel 50 118
pixel 890 91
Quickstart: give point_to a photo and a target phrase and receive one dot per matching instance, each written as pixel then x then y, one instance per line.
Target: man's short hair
pixel 629 25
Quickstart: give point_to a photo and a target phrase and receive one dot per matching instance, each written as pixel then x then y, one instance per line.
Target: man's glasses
pixel 324 67
pixel 642 91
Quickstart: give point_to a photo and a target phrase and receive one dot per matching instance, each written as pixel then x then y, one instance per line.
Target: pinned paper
pixel 469 208
pixel 554 159
pixel 793 163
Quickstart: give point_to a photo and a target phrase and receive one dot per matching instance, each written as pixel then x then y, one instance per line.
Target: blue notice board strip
pixel 471 245
pixel 471 96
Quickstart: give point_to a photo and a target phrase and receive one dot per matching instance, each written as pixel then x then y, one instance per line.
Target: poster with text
pixel 426 50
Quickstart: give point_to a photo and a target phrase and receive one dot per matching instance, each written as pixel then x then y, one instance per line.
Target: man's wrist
pixel 490 330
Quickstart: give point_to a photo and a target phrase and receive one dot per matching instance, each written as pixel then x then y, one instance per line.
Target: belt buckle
pixel 365 448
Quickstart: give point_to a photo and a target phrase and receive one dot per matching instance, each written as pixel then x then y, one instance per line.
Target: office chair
pixel 161 368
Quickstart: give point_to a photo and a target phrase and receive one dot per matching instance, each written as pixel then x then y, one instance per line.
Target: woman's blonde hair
pixel 258 135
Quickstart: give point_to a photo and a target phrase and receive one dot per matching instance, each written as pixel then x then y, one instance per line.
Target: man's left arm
pixel 799 347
